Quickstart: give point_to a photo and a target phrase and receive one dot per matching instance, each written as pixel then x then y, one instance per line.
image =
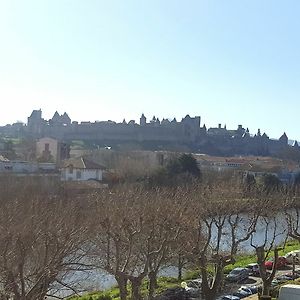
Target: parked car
pixel 230 297
pixel 192 287
pixel 253 269
pixel 238 275
pixel 280 279
pixel 292 275
pixel 284 278
pixel 172 293
pixel 245 291
pixel 293 255
pixel 241 294
pixel 281 263
pixel 249 290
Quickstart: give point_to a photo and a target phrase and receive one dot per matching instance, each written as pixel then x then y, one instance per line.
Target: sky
pixel 231 62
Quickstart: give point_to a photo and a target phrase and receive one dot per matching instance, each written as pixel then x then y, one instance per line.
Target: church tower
pixel 143 120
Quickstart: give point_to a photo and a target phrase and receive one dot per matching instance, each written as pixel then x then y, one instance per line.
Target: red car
pixel 281 263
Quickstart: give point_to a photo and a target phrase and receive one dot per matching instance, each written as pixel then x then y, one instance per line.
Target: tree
pixel 167 211
pixel 185 163
pixel 271 183
pixel 217 220
pixel 178 171
pixel 189 164
pixel 249 185
pixel 42 240
pixel 269 224
pixel 135 235
pixel 119 240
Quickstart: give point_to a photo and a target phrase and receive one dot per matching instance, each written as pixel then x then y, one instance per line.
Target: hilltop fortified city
pixel 185 135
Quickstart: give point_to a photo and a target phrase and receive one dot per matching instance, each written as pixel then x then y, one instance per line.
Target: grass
pixel 244 260
pixel 169 282
pixel 114 294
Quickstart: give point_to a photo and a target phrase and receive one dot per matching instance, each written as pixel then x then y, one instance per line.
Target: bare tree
pixel 118 229
pixel 42 239
pixel 136 233
pixel 221 228
pixel 292 214
pixel 270 227
pixel 166 229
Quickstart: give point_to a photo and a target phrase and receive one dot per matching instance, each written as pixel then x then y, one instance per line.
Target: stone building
pixel 51 150
pixel 185 135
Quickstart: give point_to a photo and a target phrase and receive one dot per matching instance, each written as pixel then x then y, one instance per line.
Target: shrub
pixel 104 297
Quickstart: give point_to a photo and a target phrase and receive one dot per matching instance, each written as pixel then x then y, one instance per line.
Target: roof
pixel 252 163
pixel 283 137
pixel 83 163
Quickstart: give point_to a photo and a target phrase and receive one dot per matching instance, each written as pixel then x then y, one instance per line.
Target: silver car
pixel 238 275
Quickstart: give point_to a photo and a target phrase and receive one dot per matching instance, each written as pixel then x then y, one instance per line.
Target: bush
pixel 104 297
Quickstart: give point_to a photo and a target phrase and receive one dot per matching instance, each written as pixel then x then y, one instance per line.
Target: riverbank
pixel 171 282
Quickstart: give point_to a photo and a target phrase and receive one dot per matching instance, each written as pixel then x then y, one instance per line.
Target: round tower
pixel 143 120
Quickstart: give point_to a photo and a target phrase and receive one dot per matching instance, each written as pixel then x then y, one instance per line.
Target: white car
pixel 192 287
pixel 253 269
pixel 293 255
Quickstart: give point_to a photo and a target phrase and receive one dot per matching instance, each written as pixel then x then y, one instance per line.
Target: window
pixel 71 169
pixel 47 147
pixel 78 175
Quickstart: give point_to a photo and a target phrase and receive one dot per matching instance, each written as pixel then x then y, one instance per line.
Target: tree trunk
pixel 180 267
pixel 210 289
pixel 136 283
pixel 265 289
pixel 122 284
pixel 179 273
pixel 267 279
pixel 208 294
pixel 152 284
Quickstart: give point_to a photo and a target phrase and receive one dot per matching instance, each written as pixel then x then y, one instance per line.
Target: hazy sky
pixel 231 62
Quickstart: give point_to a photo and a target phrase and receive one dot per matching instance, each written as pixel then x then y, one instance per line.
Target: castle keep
pixel 184 135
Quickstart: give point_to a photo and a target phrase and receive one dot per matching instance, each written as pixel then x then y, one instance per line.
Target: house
pixel 51 150
pixel 80 169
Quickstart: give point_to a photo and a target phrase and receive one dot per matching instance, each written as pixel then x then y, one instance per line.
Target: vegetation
pixel 177 171
pixel 48 232
pixel 164 283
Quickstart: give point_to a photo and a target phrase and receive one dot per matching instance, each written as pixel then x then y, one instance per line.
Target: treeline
pixel 47 233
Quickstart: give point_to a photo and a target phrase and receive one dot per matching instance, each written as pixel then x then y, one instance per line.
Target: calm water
pixel 100 280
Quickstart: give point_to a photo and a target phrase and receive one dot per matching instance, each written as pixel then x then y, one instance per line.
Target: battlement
pixel 184 134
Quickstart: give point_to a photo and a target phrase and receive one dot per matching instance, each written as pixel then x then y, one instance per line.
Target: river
pixel 100 280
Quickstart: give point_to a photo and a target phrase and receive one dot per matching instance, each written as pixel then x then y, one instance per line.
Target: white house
pixel 80 169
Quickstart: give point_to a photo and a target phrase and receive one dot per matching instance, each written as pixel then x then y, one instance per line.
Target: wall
pixel 25 167
pixel 86 174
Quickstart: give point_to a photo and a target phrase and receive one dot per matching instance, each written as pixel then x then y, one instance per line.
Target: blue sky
pixel 231 62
